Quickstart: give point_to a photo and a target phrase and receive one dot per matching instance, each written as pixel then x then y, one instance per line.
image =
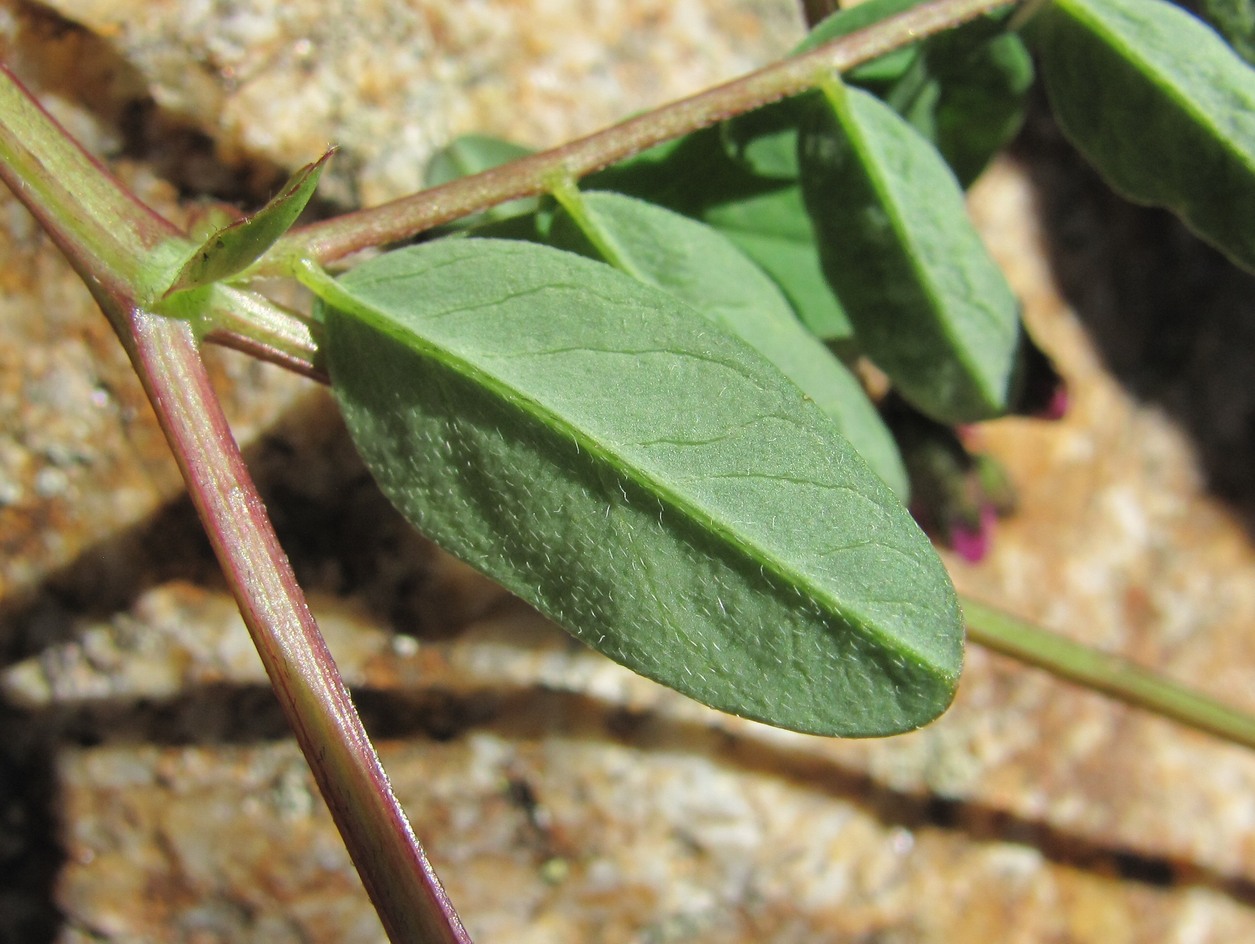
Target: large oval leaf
pixel 651 483
pixel 1162 106
pixel 701 267
pixel 927 302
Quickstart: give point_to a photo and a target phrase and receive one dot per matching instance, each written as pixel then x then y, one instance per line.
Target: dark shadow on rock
pixel 343 537
pixel 1173 320
pixel 249 715
pixel 55 54
pixel 31 855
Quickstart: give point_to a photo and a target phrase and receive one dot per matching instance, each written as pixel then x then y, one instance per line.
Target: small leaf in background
pixel 928 304
pixel 966 93
pixel 964 90
pixel 765 140
pixel 704 269
pixel 688 175
pixel 764 217
pixel 232 249
pixel 653 485
pixel 883 69
pixel 1161 105
pixel 471 154
pixel 775 231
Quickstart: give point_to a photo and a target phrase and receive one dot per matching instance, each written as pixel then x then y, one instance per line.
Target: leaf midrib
pixel 603 453
pixel 1150 68
pixel 887 195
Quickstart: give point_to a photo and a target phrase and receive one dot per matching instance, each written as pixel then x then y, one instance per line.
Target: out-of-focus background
pixel 148 788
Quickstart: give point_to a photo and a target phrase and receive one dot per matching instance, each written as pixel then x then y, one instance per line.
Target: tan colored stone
pixel 391 80
pixel 563 798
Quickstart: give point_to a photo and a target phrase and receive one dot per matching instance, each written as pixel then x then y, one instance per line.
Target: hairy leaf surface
pixel 927 302
pixel 703 268
pixel 1162 106
pixel 654 485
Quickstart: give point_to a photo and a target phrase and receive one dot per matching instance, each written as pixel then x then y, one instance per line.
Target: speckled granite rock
pixel 562 798
pixel 390 80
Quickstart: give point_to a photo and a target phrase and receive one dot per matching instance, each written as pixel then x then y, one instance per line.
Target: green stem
pixel 531 175
pixel 1105 673
pixel 249 322
pixel 114 241
pixel 567 193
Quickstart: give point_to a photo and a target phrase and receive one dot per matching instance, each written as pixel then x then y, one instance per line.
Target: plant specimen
pixel 647 444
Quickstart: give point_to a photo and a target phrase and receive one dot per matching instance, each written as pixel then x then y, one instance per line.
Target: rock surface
pixel 148 788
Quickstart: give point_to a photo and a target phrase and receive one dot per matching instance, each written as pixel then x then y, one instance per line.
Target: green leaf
pixel 688 175
pixel 775 231
pixel 928 304
pixel 964 90
pixel 765 140
pixel 232 249
pixel 1235 20
pixel 966 93
pixel 765 218
pixel 1162 106
pixel 472 154
pixel 654 486
pixel 704 269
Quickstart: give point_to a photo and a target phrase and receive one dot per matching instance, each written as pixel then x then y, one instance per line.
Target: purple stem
pixel 396 872
pixel 340 236
pixel 112 240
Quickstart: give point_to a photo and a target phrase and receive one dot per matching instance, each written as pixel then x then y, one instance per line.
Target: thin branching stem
pixel 247 321
pixel 1102 672
pixel 124 253
pixel 396 872
pixel 402 219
